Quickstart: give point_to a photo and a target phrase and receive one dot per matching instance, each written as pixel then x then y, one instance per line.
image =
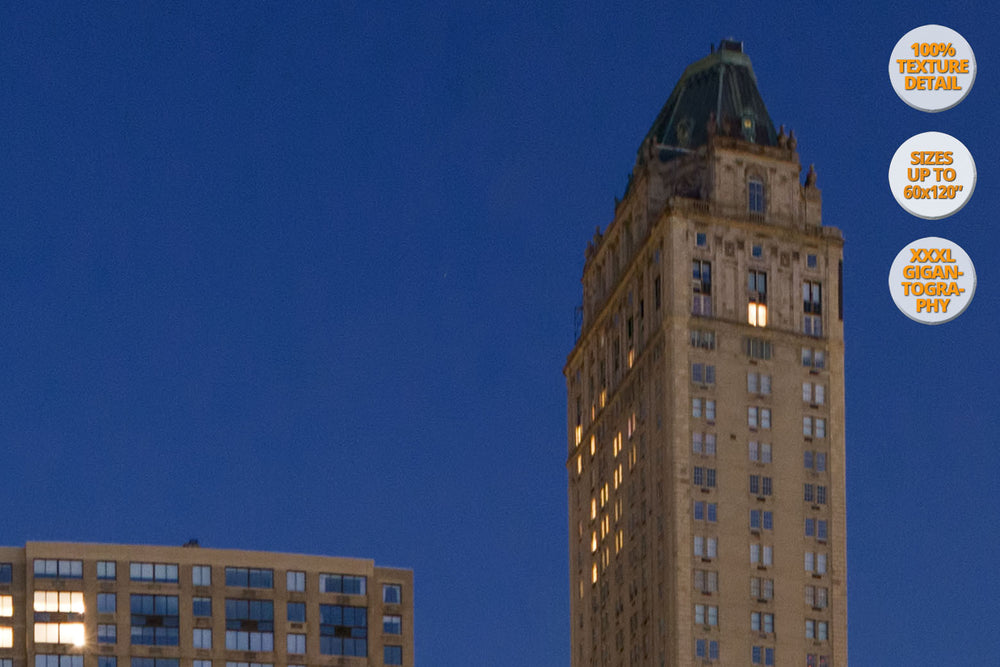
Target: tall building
pixel 706 399
pixel 110 605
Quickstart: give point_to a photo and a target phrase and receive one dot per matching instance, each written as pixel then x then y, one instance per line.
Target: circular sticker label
pixel 932 68
pixel 932 175
pixel 932 280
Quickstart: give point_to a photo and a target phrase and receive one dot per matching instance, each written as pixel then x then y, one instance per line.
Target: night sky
pixel 301 277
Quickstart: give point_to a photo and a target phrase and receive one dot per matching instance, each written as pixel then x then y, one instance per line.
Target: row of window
pixel 201 575
pixel 392 655
pixel 760 452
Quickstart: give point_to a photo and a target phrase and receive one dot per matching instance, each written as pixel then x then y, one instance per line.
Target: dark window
pixel 297 612
pixel 342 583
pixel 6 573
pixel 201 606
pixel 155 620
pixel 343 630
pixel 249 577
pixel 393 655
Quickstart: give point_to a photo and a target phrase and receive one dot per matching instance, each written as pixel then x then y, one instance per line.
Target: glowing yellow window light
pixel 593 541
pixel 593 574
pixel 6 637
pixel 6 605
pixel 757 314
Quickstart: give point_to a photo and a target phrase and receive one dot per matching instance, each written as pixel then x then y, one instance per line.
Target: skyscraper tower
pixel 706 399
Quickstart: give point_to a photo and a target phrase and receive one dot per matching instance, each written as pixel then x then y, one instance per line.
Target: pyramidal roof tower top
pixel 715 95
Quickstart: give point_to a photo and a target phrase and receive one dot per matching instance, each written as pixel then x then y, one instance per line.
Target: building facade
pixel 706 399
pixel 108 605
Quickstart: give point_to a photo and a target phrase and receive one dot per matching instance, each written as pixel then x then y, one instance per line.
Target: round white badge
pixel 932 68
pixel 932 280
pixel 932 175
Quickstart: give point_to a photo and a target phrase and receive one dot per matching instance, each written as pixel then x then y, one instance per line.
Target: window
pixel 761 622
pixel 762 589
pixel 6 606
pixel 6 573
pixel 107 569
pixel 703 339
pixel 706 547
pixel 701 239
pixel 201 575
pixel 343 630
pixel 42 660
pixel 703 443
pixel 701 286
pixel 155 662
pixel 812 306
pixel 62 569
pixel 201 606
pixel 296 643
pixel 817 597
pixel 815 461
pixel 811 261
pixel 656 291
pixel 758 383
pixel 202 638
pixel 757 348
pixel 295 581
pixel 757 251
pixel 392 624
pixel 703 373
pixel 107 603
pixel 758 417
pixel 755 196
pixel 155 620
pixel 244 577
pixel 757 297
pixel 816 630
pixel 296 612
pixel 813 358
pixel 814 427
pixel 163 572
pixel 342 583
pixel 201 663
pixel 760 485
pixel 107 661
pixel 760 452
pixel 706 581
pixel 820 495
pixel 704 477
pixel 704 511
pixel 392 594
pixel 249 625
pixel 393 655
pixel 703 407
pixel 6 637
pixel 813 393
pixel 761 519
pixel 762 655
pixel 706 649
pixel 761 555
pixel 706 615
pixel 815 562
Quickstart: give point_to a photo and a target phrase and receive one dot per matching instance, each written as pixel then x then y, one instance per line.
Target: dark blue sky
pixel 301 277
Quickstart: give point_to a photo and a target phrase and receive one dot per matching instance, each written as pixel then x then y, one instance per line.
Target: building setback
pixel 706 399
pixel 110 605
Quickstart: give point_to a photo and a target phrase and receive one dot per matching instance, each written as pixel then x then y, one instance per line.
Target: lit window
pixel 6 606
pixel 393 655
pixel 757 298
pixel 64 602
pixel 755 192
pixel 701 287
pixel 295 581
pixel 295 643
pixel 392 594
pixel 6 637
pixel 201 575
pixel 63 569
pixel 163 572
pixel 107 569
pixel 343 630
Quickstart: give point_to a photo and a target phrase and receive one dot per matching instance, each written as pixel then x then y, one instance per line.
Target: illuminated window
pixel 201 575
pixel 393 655
pixel 348 584
pixel 295 581
pixel 6 637
pixel 163 572
pixel 343 630
pixel 701 286
pixel 155 620
pixel 295 643
pixel 59 633
pixel 6 606
pixel 107 569
pixel 757 299
pixel 392 625
pixel 107 633
pixel 245 577
pixel 64 602
pixel 755 195
pixel 63 569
